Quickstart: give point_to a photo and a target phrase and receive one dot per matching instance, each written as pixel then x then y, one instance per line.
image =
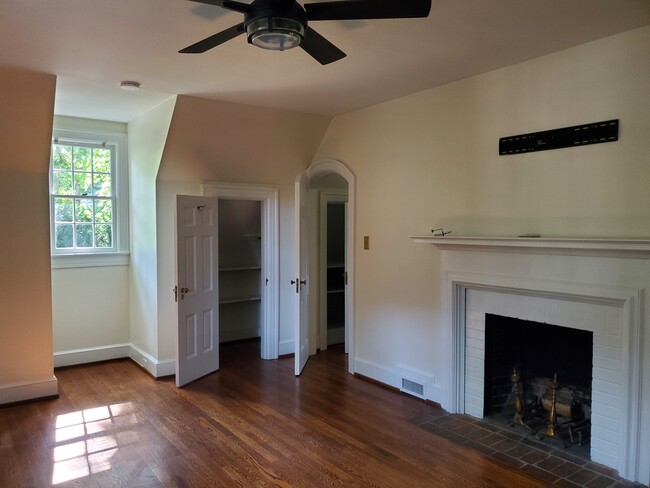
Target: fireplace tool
pixel 557 416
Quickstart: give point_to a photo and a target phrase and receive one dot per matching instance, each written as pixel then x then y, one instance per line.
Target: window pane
pixel 62 183
pixel 63 209
pixel 102 185
pixel 62 157
pixel 83 184
pixel 101 160
pixel 83 210
pixel 103 235
pixel 103 211
pixel 63 235
pixel 84 235
pixel 81 158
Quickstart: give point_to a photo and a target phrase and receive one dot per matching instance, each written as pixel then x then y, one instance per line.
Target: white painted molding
pixel 377 372
pixel 315 170
pixel 286 348
pixel 156 368
pixel 268 195
pixel 29 390
pixel 625 248
pixel 393 377
pixel 166 367
pixel 237 334
pixel 90 355
pixel 90 260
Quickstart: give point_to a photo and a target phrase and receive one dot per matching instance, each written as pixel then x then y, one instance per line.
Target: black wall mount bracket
pixel 577 135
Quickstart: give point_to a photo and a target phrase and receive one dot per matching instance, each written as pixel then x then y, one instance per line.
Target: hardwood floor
pixel 251 424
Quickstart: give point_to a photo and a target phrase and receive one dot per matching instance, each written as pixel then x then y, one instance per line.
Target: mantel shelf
pixel 625 248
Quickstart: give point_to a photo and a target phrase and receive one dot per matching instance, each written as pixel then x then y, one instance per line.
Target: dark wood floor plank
pixel 251 424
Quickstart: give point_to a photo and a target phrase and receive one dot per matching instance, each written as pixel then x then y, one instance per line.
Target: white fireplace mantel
pixel 598 285
pixel 624 248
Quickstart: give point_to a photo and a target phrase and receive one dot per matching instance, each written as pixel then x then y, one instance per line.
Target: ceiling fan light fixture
pixel 275 33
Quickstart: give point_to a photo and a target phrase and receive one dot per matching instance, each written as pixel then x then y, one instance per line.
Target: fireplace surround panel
pixel 596 285
pixel 608 361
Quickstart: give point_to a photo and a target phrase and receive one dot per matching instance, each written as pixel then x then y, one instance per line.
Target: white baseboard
pixel 392 377
pixel 286 347
pixel 90 355
pixel 155 367
pixel 336 335
pixel 238 334
pixel 166 367
pixel 32 390
pixel 376 372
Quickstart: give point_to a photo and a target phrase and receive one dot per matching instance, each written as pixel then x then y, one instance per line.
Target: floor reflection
pixel 86 440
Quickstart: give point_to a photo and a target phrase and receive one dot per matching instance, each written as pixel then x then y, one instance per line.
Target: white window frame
pixel 119 254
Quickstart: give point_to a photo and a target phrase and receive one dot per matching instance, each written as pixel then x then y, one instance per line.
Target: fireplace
pixel 539 375
pixel 596 286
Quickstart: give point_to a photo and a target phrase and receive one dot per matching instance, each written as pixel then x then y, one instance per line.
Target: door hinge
pixel 182 290
pixel 345 278
pixel 298 282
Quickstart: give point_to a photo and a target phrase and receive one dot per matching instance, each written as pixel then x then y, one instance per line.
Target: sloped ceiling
pixel 94 44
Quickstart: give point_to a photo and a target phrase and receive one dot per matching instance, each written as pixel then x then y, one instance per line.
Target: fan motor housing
pixel 275 26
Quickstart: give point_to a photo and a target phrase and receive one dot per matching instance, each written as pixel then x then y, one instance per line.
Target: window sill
pixel 89 260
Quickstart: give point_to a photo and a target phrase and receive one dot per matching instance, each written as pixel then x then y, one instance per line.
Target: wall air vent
pixel 412 381
pixel 412 388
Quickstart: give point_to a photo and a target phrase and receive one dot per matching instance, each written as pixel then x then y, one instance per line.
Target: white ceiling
pixel 94 44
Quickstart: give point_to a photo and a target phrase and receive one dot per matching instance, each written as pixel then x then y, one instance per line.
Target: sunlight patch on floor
pixel 86 440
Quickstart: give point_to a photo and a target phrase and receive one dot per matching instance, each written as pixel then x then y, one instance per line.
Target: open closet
pixel 240 270
pixel 335 273
pixel 332 194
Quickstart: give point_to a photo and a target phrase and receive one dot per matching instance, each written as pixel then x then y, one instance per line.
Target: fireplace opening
pixel 538 378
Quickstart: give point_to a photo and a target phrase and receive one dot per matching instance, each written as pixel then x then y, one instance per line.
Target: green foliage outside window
pixel 82 197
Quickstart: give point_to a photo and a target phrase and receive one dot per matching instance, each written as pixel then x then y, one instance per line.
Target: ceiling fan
pixel 283 24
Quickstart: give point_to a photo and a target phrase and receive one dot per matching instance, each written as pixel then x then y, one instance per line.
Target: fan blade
pixel 214 40
pixel 368 9
pixel 230 5
pixel 320 48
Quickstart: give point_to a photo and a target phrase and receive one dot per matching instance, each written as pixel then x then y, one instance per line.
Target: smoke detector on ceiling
pixel 130 85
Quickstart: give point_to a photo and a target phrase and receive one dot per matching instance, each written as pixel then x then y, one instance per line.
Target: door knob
pixel 183 292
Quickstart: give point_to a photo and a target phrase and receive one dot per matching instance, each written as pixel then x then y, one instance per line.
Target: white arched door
pixel 320 168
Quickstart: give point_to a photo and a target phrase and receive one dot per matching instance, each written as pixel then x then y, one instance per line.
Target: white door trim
pixel 268 195
pixel 320 168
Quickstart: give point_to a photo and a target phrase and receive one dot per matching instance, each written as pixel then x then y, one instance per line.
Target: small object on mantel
pixel 529 236
pixel 440 232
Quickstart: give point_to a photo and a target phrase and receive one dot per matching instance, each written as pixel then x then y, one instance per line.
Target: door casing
pixel 320 168
pixel 268 196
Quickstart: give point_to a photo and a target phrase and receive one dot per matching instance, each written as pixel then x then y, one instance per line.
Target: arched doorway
pixel 335 184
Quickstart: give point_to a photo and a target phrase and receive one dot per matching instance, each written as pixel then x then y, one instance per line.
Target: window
pixel 82 196
pixel 87 199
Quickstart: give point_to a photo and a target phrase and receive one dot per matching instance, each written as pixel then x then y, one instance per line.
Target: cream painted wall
pixel 26 113
pixel 218 141
pixel 147 135
pixel 90 306
pixel 80 318
pixel 431 160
